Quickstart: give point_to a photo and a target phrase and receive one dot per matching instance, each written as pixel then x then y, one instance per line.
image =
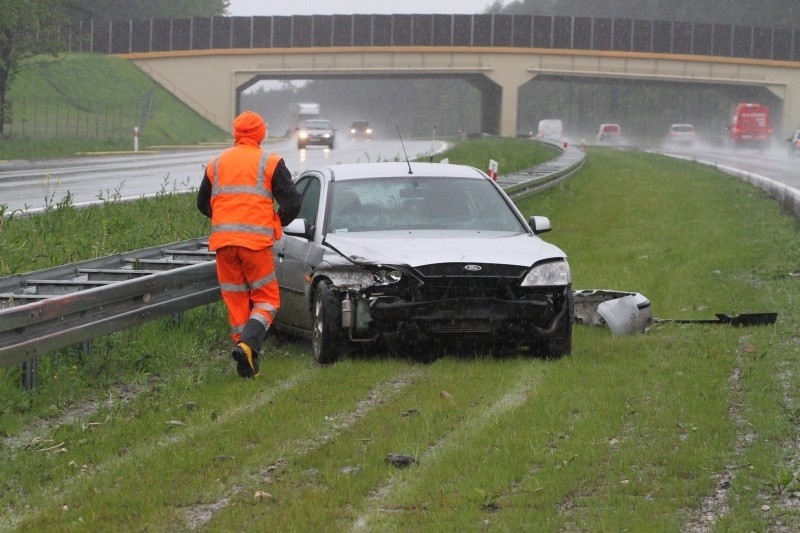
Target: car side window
pixel 310 188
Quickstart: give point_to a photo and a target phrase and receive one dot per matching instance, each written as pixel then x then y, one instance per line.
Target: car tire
pixel 330 145
pixel 326 334
pixel 300 146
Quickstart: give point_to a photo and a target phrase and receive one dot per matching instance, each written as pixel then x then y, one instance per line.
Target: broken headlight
pixel 548 274
pixel 387 276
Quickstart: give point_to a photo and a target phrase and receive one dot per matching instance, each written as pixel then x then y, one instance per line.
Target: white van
pixel 550 130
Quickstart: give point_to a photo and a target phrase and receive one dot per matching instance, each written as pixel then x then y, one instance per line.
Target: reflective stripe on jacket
pixel 243 212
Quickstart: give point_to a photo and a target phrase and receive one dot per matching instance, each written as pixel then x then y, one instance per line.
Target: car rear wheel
pixel 326 339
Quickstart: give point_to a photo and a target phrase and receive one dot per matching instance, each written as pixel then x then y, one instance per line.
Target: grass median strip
pixel 686 427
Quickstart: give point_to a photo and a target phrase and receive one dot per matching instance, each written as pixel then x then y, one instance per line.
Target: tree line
pixel 768 13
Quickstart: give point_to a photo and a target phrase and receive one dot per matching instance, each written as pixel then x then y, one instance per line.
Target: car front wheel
pixel 326 339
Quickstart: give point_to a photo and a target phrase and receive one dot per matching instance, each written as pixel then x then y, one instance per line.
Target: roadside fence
pixel 43 118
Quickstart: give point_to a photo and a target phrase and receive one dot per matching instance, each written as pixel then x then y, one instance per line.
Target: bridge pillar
pixel 791 110
pixel 509 75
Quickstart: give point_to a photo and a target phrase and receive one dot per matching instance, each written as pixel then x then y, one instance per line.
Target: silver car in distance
pixel 419 254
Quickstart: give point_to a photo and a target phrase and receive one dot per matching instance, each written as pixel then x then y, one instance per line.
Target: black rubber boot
pixel 246 360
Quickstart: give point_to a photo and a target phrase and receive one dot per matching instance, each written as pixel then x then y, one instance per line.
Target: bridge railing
pixel 484 30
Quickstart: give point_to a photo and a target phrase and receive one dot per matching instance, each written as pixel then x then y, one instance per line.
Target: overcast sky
pixel 244 8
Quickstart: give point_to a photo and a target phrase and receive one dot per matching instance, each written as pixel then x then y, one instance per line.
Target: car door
pixel 295 259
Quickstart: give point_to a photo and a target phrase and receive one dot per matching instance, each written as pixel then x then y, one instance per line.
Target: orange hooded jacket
pixel 243 211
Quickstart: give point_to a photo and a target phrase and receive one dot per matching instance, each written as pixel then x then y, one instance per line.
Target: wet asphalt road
pixel 31 186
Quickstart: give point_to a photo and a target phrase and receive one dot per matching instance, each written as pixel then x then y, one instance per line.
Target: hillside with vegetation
pixel 82 102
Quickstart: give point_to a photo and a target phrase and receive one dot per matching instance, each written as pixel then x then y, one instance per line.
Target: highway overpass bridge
pixel 209 62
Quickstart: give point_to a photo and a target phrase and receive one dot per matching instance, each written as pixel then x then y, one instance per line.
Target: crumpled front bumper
pixel 535 316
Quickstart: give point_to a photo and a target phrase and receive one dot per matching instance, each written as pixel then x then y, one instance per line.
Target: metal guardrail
pixel 540 177
pixel 51 309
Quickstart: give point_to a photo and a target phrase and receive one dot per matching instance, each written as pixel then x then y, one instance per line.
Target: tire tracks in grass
pixel 379 502
pixel 201 515
pixel 715 505
pixel 53 495
pixel 34 434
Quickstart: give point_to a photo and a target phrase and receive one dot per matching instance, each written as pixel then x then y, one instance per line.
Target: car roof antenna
pixel 404 148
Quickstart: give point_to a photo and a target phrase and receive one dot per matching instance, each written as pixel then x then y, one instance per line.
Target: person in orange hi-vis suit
pixel 238 193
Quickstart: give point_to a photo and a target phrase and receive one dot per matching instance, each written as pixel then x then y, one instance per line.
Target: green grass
pixel 87 103
pixel 65 234
pixel 511 155
pixel 155 431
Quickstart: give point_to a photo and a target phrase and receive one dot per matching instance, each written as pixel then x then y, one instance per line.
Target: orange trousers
pixel 250 292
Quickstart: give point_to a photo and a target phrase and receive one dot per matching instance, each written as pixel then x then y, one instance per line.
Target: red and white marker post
pixel 492 169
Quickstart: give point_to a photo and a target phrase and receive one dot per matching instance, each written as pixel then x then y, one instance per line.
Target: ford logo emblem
pixel 472 268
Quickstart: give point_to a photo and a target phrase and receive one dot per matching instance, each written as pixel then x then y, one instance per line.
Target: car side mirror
pixel 539 224
pixel 298 227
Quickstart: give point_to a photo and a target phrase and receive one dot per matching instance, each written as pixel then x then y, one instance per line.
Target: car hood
pixel 416 248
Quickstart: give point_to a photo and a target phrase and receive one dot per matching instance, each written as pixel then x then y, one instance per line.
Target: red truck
pixel 751 126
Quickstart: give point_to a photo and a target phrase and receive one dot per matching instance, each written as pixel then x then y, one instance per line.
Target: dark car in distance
pixel 360 129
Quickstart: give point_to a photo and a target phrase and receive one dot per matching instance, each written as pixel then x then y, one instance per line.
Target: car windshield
pixel 430 203
pixel 317 125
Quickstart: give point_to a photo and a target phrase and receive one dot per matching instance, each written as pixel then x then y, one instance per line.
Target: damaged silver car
pixel 419 253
